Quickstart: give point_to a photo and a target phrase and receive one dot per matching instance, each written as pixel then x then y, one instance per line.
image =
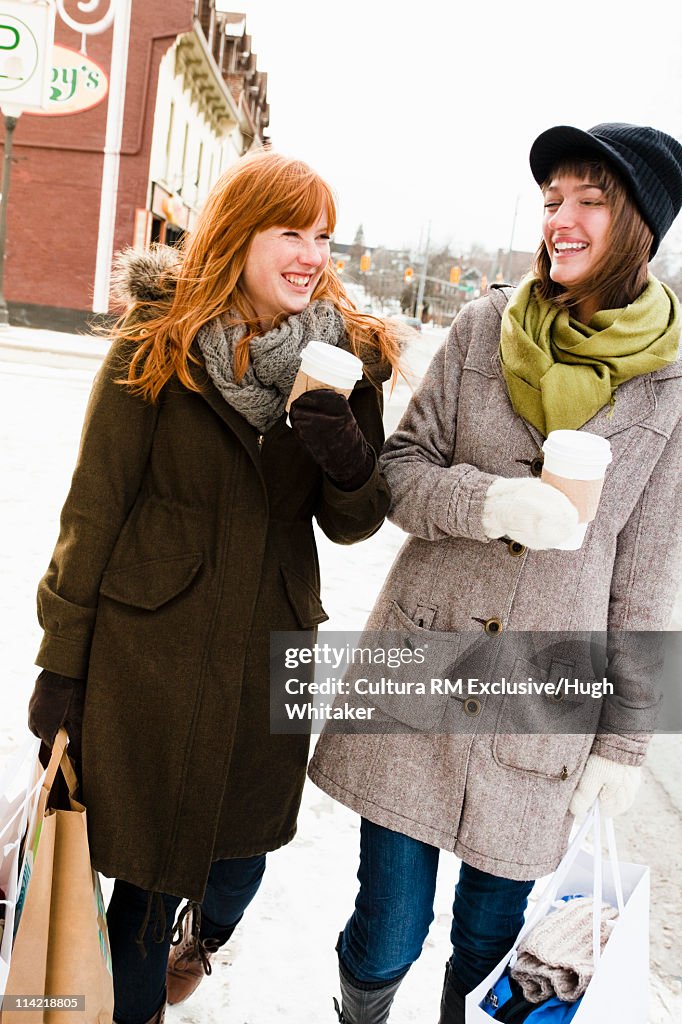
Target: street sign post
pixel 26 42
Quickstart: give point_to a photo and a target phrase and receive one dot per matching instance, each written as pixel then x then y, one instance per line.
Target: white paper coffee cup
pixel 575 463
pixel 325 366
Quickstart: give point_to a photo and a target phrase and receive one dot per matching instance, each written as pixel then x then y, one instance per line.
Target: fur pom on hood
pixel 144 275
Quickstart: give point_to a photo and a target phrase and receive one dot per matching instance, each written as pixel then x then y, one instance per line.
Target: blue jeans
pixel 394 909
pixel 140 980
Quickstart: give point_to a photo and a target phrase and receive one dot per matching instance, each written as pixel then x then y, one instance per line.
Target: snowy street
pixel 281 964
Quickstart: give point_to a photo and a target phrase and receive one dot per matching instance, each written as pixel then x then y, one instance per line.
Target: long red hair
pixel 258 192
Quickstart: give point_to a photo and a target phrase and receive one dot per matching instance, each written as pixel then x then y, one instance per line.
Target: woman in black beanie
pixel 589 340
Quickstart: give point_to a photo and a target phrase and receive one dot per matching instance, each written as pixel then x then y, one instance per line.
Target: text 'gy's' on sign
pixel 26 40
pixel 77 83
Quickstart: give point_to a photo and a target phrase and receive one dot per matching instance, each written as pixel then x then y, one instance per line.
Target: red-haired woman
pixel 186 537
pixel 591 340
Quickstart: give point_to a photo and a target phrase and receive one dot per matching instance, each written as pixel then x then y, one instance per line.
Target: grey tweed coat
pixel 500 800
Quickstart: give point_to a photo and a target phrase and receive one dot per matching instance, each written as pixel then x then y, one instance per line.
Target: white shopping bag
pixel 619 990
pixel 20 783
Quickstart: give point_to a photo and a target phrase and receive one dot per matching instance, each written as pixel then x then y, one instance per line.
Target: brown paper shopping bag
pixel 60 969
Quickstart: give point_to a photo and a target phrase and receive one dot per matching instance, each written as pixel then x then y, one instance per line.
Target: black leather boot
pixel 364 1002
pixel 451 1003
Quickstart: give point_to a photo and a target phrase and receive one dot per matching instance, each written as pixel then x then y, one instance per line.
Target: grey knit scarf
pixel 262 393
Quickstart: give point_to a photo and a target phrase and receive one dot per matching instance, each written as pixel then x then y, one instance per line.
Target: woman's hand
pixel 323 422
pixel 528 511
pixel 57 701
pixel 615 784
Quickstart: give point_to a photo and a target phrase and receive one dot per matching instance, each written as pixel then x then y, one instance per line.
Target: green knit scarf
pixel 560 372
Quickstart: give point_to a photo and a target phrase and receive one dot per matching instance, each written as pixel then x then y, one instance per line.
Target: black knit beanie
pixel 649 161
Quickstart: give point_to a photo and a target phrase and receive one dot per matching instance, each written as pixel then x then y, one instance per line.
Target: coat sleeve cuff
pixel 465 512
pixel 621 749
pixel 63 656
pixel 350 516
pixel 68 627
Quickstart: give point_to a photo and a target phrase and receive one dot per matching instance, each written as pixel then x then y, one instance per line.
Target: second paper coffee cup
pixel 325 366
pixel 575 463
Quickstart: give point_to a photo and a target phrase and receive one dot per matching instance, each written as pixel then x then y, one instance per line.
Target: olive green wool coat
pixel 185 538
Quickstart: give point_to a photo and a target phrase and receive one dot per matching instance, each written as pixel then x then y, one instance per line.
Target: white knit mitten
pixel 528 511
pixel 615 784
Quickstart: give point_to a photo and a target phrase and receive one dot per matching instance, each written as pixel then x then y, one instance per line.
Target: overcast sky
pixel 425 111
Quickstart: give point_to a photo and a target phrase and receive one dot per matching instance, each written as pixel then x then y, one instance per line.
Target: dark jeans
pixel 140 982
pixel 394 909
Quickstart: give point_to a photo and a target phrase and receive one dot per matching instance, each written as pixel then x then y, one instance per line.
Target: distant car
pixel 411 321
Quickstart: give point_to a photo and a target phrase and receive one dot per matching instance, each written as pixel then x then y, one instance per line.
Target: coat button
pixel 536 466
pixel 472 707
pixel 515 548
pixel 492 626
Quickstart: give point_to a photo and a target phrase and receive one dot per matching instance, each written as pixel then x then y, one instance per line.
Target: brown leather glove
pixel 57 701
pixel 323 422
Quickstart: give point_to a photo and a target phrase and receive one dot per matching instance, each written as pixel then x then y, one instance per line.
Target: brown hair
pixel 257 192
pixel 621 274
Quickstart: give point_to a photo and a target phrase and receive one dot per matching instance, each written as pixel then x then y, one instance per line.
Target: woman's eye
pixel 551 206
pixel 325 238
pixel 291 234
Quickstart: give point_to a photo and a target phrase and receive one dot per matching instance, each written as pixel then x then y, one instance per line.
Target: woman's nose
pixel 563 216
pixel 310 253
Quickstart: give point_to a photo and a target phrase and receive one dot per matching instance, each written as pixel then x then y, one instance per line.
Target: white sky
pixel 426 110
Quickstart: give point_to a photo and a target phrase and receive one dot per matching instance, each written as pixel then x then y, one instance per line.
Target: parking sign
pixel 26 41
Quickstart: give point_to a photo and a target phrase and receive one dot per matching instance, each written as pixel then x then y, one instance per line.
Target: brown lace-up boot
pixel 190 957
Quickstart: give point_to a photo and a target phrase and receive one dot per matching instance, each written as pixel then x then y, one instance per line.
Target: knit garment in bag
pixel 555 958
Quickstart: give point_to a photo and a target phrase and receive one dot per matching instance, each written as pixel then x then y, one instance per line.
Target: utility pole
pixel 419 306
pixel 10 125
pixel 28 32
pixel 508 262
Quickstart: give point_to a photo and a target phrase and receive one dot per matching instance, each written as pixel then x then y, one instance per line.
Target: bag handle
pixel 30 746
pixel 548 895
pixel 46 779
pixel 58 748
pixel 598 877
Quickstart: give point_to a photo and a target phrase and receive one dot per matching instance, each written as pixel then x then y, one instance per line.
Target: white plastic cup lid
pixel 331 365
pixel 579 446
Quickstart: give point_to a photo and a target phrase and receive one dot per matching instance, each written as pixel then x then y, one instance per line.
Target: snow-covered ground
pixel 281 962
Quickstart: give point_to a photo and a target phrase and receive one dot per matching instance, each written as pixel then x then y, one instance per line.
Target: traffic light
pixel 409 274
pixel 340 264
pixel 455 274
pixel 365 262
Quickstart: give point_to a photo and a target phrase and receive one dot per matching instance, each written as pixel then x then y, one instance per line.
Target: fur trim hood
pixel 144 275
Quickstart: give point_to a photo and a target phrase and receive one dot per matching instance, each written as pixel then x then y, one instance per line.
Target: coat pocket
pixel 543 734
pixel 151 584
pixel 303 598
pixel 410 699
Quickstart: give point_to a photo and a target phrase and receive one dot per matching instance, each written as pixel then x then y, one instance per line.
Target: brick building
pixel 194 103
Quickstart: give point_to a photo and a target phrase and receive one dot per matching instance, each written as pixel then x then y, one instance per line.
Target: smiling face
pixel 283 267
pixel 575 227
